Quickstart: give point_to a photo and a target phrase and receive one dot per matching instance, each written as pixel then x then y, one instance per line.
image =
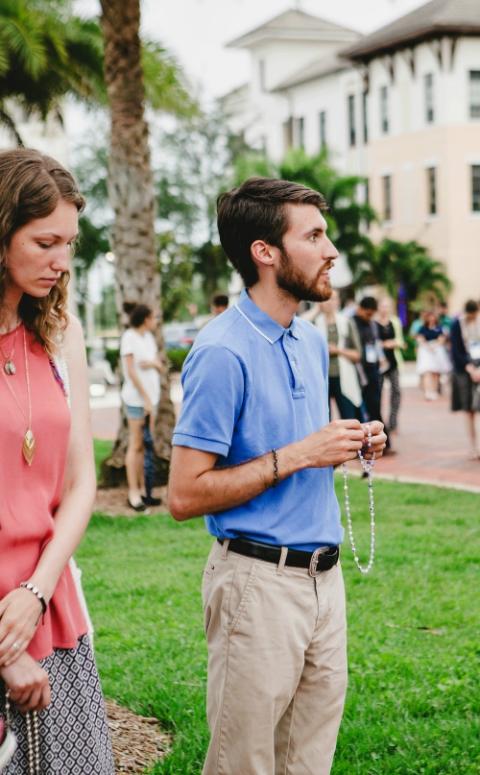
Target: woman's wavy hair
pixel 31 186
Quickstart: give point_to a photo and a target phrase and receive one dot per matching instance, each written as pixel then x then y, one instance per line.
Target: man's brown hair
pixel 256 211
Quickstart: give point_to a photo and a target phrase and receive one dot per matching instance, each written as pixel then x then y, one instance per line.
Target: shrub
pixel 176 358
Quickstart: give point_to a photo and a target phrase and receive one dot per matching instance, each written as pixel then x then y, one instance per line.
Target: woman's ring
pixel 16 646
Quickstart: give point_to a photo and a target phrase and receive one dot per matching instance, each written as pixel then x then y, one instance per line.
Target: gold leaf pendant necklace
pixel 28 445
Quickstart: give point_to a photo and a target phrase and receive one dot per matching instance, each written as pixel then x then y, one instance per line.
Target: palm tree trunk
pixel 131 194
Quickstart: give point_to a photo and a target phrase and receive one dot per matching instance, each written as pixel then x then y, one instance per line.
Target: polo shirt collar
pixel 263 323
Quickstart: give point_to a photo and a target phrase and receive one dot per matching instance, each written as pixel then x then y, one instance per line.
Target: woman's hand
pixel 20 612
pixel 27 684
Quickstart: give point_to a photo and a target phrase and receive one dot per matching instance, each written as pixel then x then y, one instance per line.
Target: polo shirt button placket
pixel 298 390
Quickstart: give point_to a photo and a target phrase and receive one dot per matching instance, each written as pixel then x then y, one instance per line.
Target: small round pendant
pixel 9 368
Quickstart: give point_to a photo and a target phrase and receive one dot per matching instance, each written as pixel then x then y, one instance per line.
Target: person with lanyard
pixel 254 451
pixel 391 337
pixel 432 358
pixel 373 360
pixel 140 395
pixel 345 350
pixel 50 696
pixel 465 354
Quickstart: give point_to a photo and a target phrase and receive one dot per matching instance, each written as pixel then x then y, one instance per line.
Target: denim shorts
pixel 134 412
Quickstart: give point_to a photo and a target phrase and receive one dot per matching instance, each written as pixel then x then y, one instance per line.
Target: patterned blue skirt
pixel 74 736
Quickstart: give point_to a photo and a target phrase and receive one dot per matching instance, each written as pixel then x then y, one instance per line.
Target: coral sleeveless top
pixel 30 495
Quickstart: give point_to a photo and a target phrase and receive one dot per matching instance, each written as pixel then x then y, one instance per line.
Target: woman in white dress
pixel 140 394
pixel 432 358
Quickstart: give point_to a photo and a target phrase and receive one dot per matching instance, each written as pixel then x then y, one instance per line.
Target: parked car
pixel 179 336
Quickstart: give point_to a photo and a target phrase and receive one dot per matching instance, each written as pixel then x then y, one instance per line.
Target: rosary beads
pixel 367 466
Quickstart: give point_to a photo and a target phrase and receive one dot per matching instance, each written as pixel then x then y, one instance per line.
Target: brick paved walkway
pixel 431 445
pixel 432 442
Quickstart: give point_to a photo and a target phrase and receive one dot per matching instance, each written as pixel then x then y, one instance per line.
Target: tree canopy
pixel 47 53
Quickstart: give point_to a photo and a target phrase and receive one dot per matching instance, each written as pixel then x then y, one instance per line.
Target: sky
pixel 196 31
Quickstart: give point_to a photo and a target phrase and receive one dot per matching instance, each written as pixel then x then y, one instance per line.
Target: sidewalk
pixel 431 446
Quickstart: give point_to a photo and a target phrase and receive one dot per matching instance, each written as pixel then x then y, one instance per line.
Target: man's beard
pixel 295 283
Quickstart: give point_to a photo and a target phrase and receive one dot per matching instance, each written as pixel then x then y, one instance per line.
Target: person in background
pixel 350 306
pixel 373 358
pixel 50 692
pixel 432 358
pixel 218 304
pixel 140 395
pixel 444 319
pixel 345 351
pixel 416 324
pixel 465 353
pixel 391 336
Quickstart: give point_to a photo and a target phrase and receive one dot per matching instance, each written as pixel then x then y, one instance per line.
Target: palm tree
pixel 405 265
pixel 47 53
pixel 131 192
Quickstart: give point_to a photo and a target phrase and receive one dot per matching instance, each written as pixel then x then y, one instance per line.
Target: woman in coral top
pixel 49 687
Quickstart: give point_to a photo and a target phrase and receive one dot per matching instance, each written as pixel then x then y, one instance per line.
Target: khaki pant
pixel 277 666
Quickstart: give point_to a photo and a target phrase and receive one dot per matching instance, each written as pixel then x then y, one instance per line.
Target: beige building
pixel 401 107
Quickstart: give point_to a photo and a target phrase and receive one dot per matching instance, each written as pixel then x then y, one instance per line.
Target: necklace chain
pixel 28 446
pixel 367 466
pixel 33 736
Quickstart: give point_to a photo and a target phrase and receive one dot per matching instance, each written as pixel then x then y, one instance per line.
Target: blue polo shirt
pixel 251 385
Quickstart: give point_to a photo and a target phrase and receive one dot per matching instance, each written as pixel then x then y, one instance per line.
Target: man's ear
pixel 262 253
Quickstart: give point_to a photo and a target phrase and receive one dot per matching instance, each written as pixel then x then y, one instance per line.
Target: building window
pixel 366 202
pixel 365 116
pixel 322 121
pixel 429 98
pixel 352 134
pixel 387 197
pixel 288 133
pixel 474 93
pixel 261 74
pixel 300 132
pixel 432 190
pixel 384 123
pixel 476 188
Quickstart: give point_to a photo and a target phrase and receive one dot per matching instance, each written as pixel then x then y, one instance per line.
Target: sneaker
pixel 149 500
pixel 8 744
pixel 136 506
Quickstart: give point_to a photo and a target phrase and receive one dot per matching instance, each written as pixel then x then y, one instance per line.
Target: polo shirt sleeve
pixel 213 393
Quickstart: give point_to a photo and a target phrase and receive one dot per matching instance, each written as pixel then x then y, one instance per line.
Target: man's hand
pixel 27 683
pixel 378 439
pixel 336 443
pixel 20 612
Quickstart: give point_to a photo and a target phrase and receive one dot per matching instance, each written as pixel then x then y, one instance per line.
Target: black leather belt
pixel 322 559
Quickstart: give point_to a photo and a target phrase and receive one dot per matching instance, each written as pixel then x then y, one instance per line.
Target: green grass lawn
pixel 413 702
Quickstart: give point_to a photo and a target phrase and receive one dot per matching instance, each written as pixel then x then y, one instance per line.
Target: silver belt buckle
pixel 312 568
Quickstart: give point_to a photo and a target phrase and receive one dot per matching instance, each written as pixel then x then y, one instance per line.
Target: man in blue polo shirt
pixel 254 451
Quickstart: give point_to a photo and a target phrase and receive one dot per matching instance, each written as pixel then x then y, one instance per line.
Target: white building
pixel 400 106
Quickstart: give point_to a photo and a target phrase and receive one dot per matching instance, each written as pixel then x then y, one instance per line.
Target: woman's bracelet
pixel 35 591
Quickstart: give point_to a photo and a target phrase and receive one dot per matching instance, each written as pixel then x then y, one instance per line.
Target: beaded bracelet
pixel 276 477
pixel 35 590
